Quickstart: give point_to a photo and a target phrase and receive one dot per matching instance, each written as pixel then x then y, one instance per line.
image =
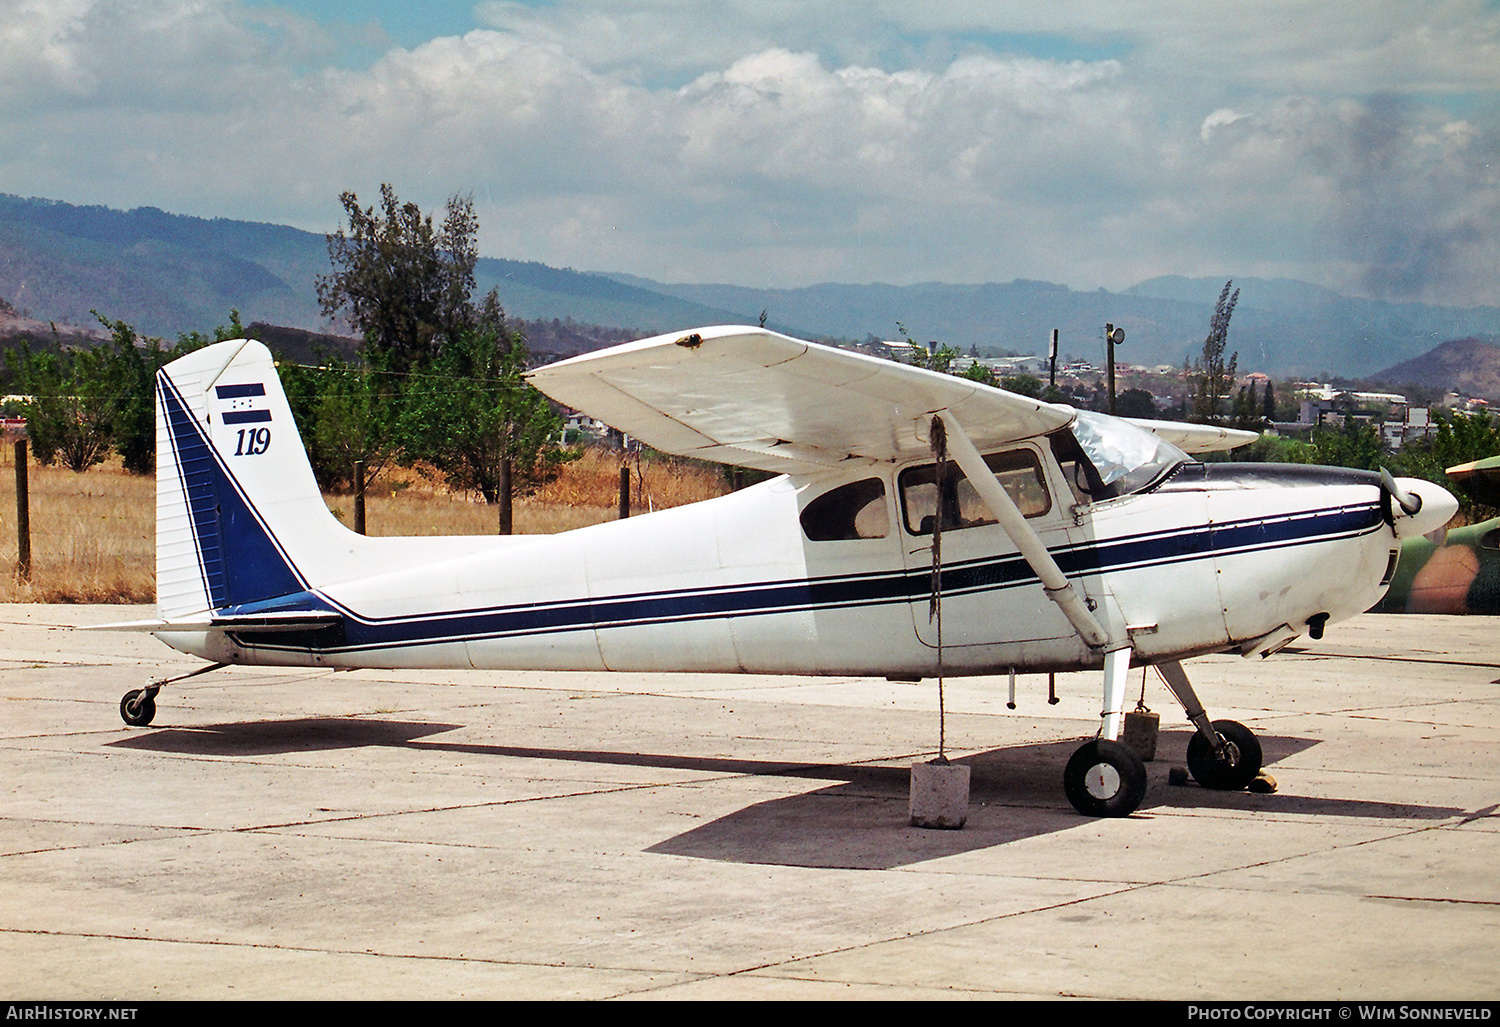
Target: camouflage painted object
pixel 1460 576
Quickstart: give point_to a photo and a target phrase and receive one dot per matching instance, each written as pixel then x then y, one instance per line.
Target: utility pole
pixel 1113 337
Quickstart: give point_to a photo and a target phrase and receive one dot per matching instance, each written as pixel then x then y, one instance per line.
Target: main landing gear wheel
pixel 138 707
pixel 1105 779
pixel 1235 767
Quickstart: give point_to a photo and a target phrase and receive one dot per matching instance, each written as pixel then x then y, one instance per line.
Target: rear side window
pixel 1018 471
pixel 855 510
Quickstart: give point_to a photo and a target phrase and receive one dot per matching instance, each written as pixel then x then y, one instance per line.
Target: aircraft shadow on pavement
pixel 1015 793
pixel 859 821
pixel 270 737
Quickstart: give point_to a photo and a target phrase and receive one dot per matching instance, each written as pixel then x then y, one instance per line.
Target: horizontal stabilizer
pixel 243 624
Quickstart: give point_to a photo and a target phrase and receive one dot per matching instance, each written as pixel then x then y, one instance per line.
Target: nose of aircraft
pixel 1419 506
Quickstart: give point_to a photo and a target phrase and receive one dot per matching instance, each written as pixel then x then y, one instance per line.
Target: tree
pixel 132 366
pixel 406 287
pixel 83 402
pixel 354 434
pixel 71 406
pixel 1247 411
pixel 1459 439
pixel 1355 444
pixel 1135 403
pixel 1212 376
pixel 401 283
pixel 1022 385
pixel 932 357
pixel 472 416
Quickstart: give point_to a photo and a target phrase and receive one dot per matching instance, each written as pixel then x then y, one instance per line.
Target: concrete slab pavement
pixel 368 835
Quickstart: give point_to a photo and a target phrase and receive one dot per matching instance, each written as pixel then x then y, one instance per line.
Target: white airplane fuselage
pixel 1219 556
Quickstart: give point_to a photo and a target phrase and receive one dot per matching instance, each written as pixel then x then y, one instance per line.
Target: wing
pixel 1195 438
pixel 753 398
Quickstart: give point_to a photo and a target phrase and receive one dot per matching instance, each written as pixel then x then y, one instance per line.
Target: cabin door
pixel 990 596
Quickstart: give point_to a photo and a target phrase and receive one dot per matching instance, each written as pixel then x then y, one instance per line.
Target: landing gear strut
pixel 1105 777
pixel 138 706
pixel 1224 755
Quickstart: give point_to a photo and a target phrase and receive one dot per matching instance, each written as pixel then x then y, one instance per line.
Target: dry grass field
pixel 93 534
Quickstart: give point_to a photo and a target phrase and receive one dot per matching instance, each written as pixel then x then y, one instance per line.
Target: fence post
pixel 624 491
pixel 23 515
pixel 504 496
pixel 359 496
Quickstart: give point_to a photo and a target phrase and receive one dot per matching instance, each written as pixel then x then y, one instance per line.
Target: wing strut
pixel 1058 588
pixel 1105 778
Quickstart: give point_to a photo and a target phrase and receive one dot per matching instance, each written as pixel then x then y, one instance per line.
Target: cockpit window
pixel 855 510
pixel 1018 471
pixel 1105 457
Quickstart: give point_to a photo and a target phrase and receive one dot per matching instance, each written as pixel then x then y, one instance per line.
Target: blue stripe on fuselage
pixel 992 574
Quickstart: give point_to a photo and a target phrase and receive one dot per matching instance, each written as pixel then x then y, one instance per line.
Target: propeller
pixel 1410 502
pixel 1415 507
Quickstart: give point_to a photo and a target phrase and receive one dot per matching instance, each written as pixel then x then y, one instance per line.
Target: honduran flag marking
pixel 242 403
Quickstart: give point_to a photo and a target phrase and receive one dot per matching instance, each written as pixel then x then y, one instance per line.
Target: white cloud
pixel 780 143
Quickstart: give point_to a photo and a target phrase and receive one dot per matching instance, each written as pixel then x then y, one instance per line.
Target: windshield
pixel 1127 458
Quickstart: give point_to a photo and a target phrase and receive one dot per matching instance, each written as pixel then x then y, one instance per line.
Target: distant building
pixel 1453 401
pixel 574 421
pixel 900 350
pixel 1322 404
pixel 1029 364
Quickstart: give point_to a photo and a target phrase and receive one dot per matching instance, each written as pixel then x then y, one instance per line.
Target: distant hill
pixel 1470 367
pixel 1297 327
pixel 1280 327
pixel 167 274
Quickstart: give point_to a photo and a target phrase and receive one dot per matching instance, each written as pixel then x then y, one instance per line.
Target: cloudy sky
pixel 781 143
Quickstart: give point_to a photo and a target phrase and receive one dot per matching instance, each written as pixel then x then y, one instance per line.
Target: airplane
pixel 1453 571
pixel 1067 540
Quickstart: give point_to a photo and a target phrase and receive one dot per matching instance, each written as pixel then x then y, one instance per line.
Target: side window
pixel 855 510
pixel 1018 471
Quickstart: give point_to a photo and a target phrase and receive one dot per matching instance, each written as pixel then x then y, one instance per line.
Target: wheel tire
pixel 1240 765
pixel 1105 779
pixel 137 709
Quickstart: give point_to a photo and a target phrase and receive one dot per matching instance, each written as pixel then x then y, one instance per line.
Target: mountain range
pixel 167 274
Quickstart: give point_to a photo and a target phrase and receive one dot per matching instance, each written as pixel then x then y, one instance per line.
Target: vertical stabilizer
pixel 239 517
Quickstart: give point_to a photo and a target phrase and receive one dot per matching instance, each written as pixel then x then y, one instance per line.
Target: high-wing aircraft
pixel 1069 540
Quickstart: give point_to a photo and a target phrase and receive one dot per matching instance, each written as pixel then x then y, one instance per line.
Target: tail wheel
pixel 1105 779
pixel 1232 769
pixel 137 708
